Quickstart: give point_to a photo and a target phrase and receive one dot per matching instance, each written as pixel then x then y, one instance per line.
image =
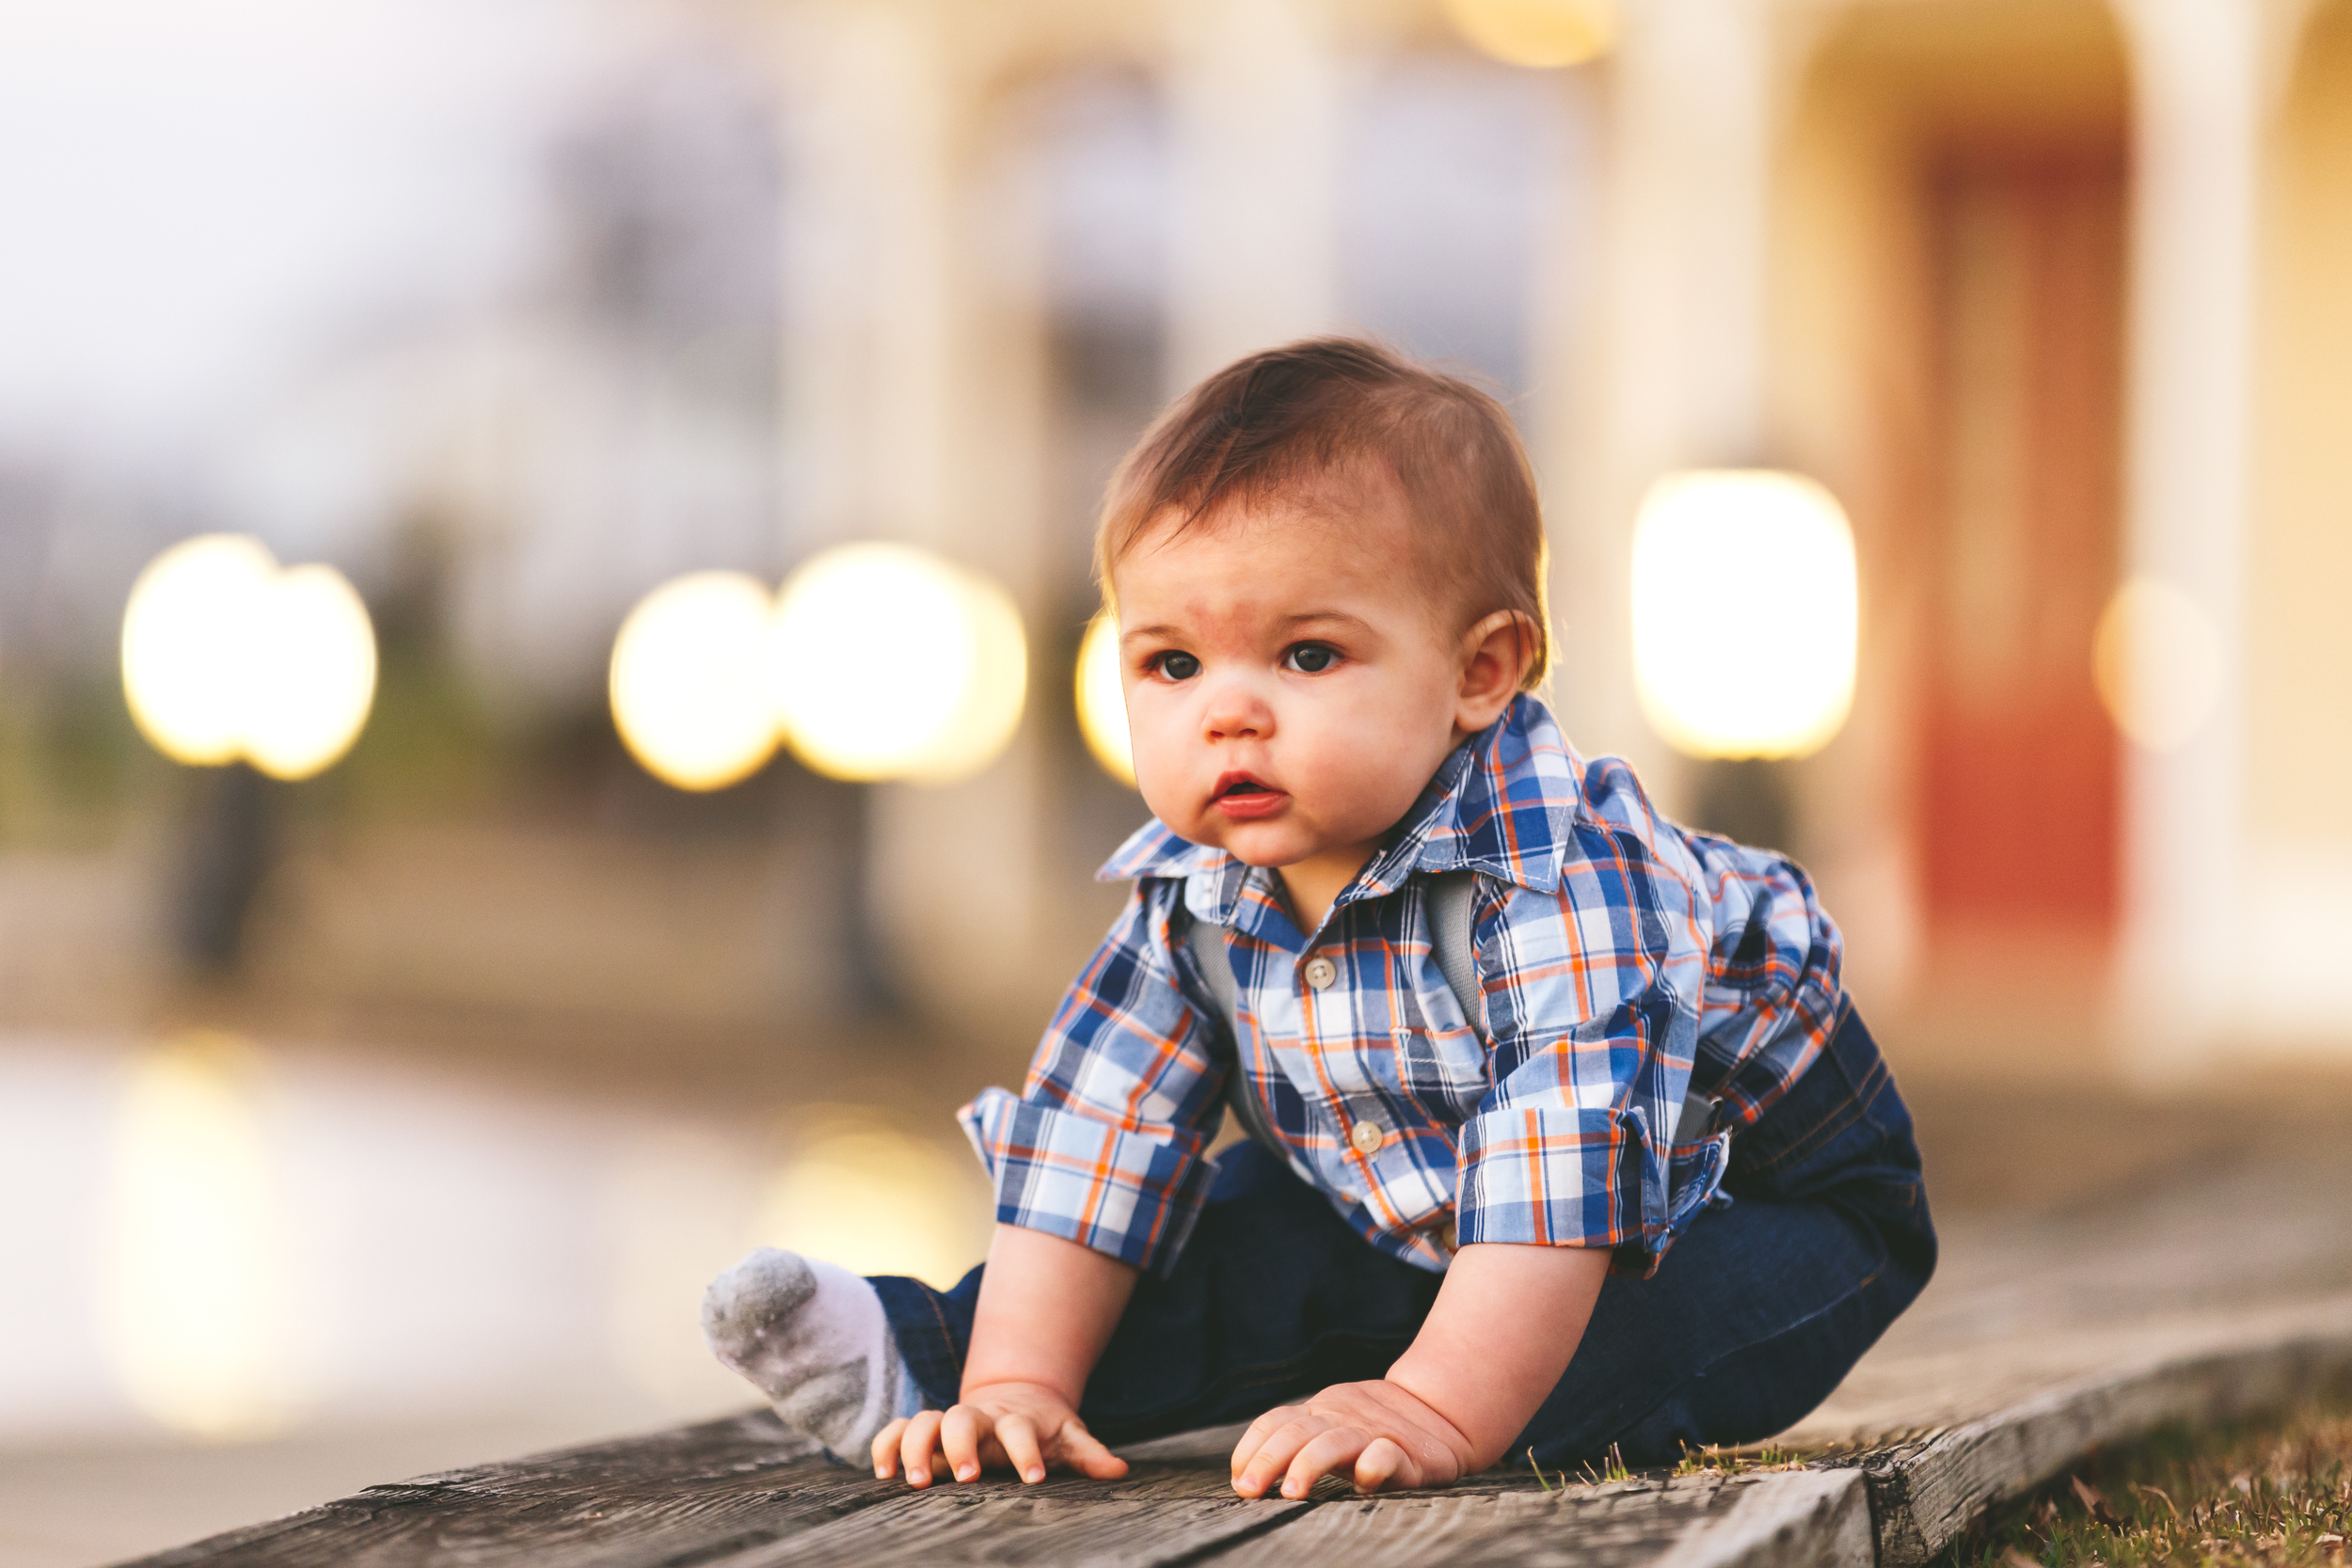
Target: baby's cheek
pixel 1160 783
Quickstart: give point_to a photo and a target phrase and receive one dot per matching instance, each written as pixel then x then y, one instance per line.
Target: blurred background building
pixel 464 1063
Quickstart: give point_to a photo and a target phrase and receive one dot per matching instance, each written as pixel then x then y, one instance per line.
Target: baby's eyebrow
pixel 1332 617
pixel 1163 631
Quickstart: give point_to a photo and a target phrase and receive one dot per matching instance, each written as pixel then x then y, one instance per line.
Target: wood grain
pixel 672 1498
pixel 1924 1494
pixel 1614 1525
pixel 1158 1514
pixel 1795 1519
pixel 742 1494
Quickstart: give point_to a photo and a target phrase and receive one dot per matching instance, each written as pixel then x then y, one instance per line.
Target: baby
pixel 1507 1043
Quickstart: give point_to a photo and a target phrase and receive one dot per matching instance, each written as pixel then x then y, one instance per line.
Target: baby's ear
pixel 1495 656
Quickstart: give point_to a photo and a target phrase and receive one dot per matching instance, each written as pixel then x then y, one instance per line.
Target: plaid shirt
pixel 1622 962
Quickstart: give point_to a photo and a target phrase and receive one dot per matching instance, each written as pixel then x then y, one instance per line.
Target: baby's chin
pixel 1268 845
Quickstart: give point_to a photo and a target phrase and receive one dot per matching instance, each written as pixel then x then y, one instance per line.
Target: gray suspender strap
pixel 1447 898
pixel 1207 943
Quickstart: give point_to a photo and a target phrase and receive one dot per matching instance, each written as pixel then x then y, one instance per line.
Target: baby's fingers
pixel 1084 1453
pixel 1260 1429
pixel 1385 1462
pixel 1017 1435
pixel 886 1448
pixel 960 1431
pixel 917 1445
pixel 1275 1451
pixel 1334 1449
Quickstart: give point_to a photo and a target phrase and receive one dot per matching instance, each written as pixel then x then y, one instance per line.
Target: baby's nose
pixel 1234 711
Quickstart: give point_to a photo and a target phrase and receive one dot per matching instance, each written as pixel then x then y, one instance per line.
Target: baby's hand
pixel 1017 1424
pixel 1379 1433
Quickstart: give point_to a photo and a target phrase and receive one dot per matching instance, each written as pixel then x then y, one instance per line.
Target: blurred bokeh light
pixel 1540 34
pixel 688 693
pixel 860 1192
pixel 314 673
pixel 197 1304
pixel 225 657
pixel 1744 612
pixel 888 662
pixel 1102 699
pixel 185 645
pixel 2156 658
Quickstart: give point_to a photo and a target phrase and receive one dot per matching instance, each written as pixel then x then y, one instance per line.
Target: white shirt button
pixel 1366 1138
pixel 1320 972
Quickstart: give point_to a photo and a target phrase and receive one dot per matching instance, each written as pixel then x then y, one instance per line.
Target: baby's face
pixel 1291 687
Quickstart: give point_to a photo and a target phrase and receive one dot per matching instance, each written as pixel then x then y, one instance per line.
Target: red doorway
pixel 2018 764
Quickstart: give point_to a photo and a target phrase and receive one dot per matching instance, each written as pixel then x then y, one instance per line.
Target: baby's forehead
pixel 1256 557
pixel 1332 518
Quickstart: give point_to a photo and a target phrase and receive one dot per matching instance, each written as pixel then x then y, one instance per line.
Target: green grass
pixel 1709 1461
pixel 2275 1491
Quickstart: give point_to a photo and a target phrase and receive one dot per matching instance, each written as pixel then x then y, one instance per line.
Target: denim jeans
pixel 1754 1315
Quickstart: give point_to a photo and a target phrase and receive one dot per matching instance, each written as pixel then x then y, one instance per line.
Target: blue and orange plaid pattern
pixel 1621 959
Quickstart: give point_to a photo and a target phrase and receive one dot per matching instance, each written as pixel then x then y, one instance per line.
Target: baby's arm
pixel 1046 1309
pixel 1506 1323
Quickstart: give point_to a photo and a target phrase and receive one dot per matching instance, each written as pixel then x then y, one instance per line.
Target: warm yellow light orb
pixel 1540 34
pixel 2157 659
pixel 187 637
pixel 224 655
pixel 887 662
pixel 688 690
pixel 1744 612
pixel 860 1192
pixel 1103 699
pixel 312 679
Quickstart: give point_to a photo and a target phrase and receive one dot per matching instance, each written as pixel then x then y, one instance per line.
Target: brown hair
pixel 1323 412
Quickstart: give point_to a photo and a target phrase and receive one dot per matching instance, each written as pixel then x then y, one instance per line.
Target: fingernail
pixel 1034 1476
pixel 881 1474
pixel 967 1471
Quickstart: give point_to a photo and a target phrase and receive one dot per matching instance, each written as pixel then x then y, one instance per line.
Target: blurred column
pixel 1681 333
pixel 2197 148
pixel 868 305
pixel 1253 96
pixel 896 425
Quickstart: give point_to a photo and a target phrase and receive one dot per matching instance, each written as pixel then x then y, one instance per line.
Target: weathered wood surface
pixel 1805 1519
pixel 1925 1492
pixel 694 1494
pixel 1157 1515
pixel 740 1493
pixel 1819 1519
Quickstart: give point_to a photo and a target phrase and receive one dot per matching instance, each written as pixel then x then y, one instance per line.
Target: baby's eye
pixel 1309 658
pixel 1176 665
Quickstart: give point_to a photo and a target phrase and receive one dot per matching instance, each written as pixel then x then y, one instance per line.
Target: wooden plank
pixel 1924 1494
pixel 1795 1519
pixel 1754 1521
pixel 660 1501
pixel 1160 1513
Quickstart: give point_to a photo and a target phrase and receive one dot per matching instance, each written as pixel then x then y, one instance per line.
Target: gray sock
pixel 813 1338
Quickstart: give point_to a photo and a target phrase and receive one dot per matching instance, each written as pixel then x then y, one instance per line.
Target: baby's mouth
pixel 1239 795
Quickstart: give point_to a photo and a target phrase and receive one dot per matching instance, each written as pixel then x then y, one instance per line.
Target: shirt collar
pixel 1504 802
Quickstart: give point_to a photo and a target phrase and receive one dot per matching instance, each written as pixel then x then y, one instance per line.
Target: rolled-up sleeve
pixel 1592 998
pixel 1105 1145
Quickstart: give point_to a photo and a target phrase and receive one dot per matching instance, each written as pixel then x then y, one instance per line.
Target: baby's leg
pixel 812 1337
